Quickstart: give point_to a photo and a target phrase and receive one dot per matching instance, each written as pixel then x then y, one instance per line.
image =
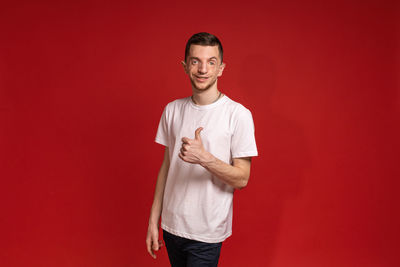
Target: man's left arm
pixel 236 175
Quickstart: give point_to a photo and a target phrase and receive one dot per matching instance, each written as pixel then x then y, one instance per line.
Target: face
pixel 203 66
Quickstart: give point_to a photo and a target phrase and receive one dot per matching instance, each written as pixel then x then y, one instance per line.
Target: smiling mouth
pixel 201 79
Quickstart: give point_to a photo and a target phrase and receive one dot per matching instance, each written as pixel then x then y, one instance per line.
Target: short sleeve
pixel 243 143
pixel 162 131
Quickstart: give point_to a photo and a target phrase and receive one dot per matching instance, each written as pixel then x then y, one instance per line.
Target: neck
pixel 205 97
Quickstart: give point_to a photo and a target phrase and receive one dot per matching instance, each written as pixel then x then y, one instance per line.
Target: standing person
pixel 209 141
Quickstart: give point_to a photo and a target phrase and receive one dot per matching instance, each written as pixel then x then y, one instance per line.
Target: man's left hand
pixel 192 150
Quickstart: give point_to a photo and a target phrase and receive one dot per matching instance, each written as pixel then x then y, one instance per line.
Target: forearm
pixel 236 175
pixel 156 208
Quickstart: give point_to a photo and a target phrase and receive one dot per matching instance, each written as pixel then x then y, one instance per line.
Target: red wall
pixel 83 85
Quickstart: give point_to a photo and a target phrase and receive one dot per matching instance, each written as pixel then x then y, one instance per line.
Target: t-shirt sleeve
pixel 162 131
pixel 243 139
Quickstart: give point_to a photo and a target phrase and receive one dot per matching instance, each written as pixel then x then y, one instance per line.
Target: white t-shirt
pixel 197 205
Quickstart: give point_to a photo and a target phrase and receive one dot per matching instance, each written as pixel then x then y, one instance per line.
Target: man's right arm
pixel 152 240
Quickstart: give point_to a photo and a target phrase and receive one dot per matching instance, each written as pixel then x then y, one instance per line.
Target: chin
pixel 202 87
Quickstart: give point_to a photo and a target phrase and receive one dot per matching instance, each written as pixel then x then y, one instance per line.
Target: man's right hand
pixel 152 242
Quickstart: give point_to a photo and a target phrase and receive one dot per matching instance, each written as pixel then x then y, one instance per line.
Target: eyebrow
pixel 211 58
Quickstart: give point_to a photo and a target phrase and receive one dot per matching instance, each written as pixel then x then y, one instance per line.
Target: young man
pixel 209 141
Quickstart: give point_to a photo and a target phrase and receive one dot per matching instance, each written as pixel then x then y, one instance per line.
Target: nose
pixel 202 68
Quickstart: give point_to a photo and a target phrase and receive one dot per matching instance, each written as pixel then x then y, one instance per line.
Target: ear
pixel 221 69
pixel 184 66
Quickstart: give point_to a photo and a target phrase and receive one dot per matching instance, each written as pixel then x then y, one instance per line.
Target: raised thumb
pixel 197 133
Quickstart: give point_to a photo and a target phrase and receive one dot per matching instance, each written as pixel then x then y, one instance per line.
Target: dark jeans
pixel 184 252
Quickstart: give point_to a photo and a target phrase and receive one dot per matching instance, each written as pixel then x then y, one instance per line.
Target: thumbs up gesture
pixel 192 150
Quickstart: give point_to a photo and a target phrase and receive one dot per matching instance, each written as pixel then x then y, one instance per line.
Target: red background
pixel 83 85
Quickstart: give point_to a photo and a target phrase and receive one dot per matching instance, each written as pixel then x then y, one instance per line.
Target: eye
pixel 194 61
pixel 212 63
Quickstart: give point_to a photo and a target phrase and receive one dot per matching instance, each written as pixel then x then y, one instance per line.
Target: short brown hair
pixel 205 39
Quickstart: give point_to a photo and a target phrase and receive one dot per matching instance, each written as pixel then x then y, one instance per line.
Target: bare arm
pixel 236 175
pixel 152 240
